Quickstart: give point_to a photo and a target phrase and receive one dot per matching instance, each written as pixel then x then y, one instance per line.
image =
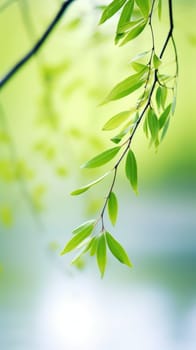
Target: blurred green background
pixel 50 123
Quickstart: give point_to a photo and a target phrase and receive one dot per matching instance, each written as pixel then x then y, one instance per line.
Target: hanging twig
pixel 37 46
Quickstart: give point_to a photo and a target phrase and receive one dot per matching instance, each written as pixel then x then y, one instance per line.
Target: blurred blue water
pixel 47 305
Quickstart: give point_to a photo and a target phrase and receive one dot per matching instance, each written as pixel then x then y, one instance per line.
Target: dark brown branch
pixel 37 46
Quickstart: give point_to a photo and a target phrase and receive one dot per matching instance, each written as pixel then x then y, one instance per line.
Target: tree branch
pixel 148 103
pixel 37 46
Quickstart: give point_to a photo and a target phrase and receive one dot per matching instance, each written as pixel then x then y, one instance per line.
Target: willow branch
pixel 148 103
pixel 37 45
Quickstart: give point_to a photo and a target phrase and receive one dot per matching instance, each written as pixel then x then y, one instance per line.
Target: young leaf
pixel 102 158
pixel 125 15
pixel 145 127
pixel 130 25
pixel 156 61
pixel 153 124
pixel 111 9
pixel 76 259
pixel 137 66
pixel 101 254
pixel 131 169
pixel 137 30
pixel 117 138
pixel 117 250
pixel 158 97
pixel 163 96
pixel 165 128
pixel 116 121
pixel 77 239
pixel 93 248
pixel 144 6
pixel 86 226
pixel 85 188
pixel 140 55
pixel 164 116
pixel 113 207
pixel 126 86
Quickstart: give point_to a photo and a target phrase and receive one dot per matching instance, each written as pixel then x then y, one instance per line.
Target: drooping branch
pixel 37 45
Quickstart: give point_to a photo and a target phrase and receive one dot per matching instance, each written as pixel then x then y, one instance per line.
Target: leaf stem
pixel 148 103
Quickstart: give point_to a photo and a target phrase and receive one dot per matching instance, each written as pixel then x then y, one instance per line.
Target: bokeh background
pixel 50 122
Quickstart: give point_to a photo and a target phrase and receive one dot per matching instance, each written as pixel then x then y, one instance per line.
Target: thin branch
pixel 148 103
pixel 37 46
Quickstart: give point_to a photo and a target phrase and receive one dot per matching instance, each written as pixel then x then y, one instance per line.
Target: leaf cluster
pixel 86 241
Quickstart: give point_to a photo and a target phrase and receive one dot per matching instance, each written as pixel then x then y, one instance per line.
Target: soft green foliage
pixel 127 86
pixel 164 116
pixel 117 250
pixel 116 121
pixel 144 6
pixel 86 187
pixel 153 124
pixel 101 253
pixel 131 169
pixel 102 158
pixel 111 9
pixel 156 100
pixel 136 28
pixel 112 207
pixel 80 234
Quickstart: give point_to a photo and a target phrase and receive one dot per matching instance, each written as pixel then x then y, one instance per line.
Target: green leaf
pixel 164 116
pixel 144 6
pixel 126 86
pixel 137 30
pixel 86 187
pixel 145 127
pixel 161 96
pixel 138 67
pixel 156 61
pixel 131 169
pixel 130 25
pixel 153 124
pixel 125 14
pixel 93 248
pixel 77 239
pixel 101 254
pixel 117 250
pixel 113 207
pixel 158 97
pixel 116 121
pixel 102 158
pixel 86 226
pixel 140 55
pixel 83 251
pixel 111 9
pixel 117 138
pixel 165 128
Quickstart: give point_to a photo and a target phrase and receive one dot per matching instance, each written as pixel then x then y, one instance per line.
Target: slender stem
pixel 107 198
pixel 148 103
pixel 37 46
